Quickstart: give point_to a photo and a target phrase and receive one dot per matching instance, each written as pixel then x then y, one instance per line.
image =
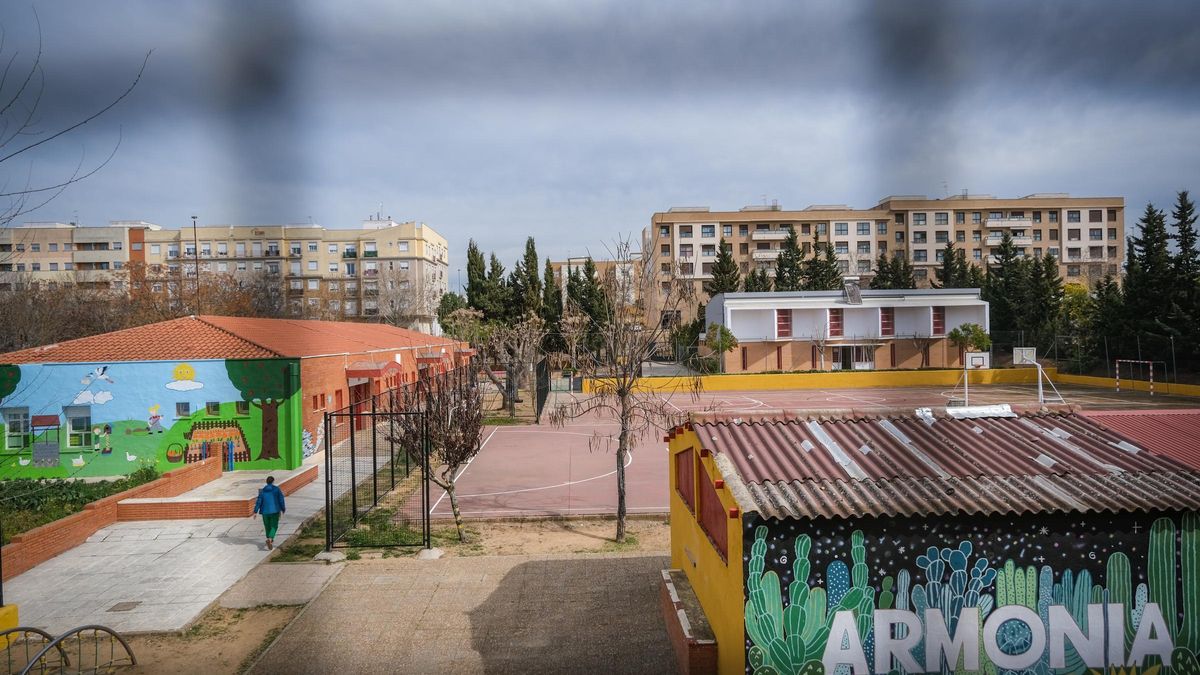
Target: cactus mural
pixel 1140 574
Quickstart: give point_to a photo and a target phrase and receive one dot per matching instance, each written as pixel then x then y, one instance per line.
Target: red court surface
pixel 571 470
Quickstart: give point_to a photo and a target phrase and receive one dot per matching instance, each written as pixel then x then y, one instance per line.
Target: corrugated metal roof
pixel 897 464
pixel 1175 433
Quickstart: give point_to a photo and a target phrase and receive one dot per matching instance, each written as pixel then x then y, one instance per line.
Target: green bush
pixel 28 503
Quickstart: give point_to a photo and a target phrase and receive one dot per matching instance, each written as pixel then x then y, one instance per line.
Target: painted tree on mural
pixel 265 384
pixel 9 377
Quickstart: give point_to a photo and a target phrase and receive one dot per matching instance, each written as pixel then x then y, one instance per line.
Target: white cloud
pixel 185 385
pixel 90 398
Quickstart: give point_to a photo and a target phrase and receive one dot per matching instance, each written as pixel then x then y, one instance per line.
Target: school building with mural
pixel 920 541
pixel 250 391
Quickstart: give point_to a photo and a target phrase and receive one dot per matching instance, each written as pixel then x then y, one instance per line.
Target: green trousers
pixel 271 523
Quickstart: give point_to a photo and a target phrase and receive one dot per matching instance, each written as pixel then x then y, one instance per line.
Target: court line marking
pixel 548 487
pixel 586 510
pixel 464 469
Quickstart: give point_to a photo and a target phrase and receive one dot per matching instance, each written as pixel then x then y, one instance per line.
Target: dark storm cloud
pixel 473 116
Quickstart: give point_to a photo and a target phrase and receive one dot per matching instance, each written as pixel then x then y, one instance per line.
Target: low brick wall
pixel 215 508
pixel 40 544
pixel 694 655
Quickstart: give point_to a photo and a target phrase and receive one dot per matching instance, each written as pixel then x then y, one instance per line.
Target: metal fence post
pixel 328 483
pixel 425 448
pixel 374 459
pixel 353 469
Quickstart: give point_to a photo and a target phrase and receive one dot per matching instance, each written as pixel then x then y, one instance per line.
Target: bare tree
pixel 516 346
pixel 922 343
pixel 574 327
pixel 21 135
pixel 628 333
pixel 820 340
pixel 406 300
pixel 453 420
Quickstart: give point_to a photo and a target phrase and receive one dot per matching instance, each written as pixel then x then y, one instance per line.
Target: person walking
pixel 271 505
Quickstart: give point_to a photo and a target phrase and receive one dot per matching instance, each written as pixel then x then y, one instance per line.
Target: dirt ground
pixel 583 535
pixel 223 641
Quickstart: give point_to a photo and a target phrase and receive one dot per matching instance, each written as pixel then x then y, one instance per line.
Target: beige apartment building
pixel 384 269
pixel 1086 234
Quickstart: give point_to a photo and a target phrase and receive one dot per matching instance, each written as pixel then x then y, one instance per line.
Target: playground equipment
pixel 1134 363
pixel 1027 356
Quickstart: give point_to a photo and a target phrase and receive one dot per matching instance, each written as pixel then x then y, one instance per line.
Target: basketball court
pixel 571 470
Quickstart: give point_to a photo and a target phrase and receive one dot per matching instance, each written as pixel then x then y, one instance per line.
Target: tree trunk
pixel 458 523
pixel 622 451
pixel 496 381
pixel 270 430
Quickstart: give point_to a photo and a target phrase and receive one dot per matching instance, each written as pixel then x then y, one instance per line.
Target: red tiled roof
pixel 222 337
pixel 173 340
pixel 299 338
pixel 897 464
pixel 1174 433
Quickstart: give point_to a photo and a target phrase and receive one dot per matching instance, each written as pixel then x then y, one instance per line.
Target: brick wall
pixel 42 543
pixel 792 355
pixel 223 508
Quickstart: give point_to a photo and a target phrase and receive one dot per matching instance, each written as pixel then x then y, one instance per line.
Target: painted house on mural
pixel 1031 543
pixel 252 391
pixel 851 329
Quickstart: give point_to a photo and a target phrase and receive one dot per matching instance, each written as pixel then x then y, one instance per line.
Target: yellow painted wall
pixel 717 583
pixel 8 619
pixel 836 380
pixel 1127 384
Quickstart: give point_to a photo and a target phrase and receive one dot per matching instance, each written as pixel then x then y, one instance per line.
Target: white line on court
pixel 549 487
pixel 462 470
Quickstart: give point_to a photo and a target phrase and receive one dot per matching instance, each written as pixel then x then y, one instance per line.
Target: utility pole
pixel 196 261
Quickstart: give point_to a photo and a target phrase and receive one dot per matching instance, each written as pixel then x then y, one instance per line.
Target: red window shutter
pixel 939 320
pixel 783 323
pixel 779 357
pixel 713 519
pixel 835 322
pixel 685 478
pixel 893 351
pixel 744 366
pixel 887 321
pixel 814 357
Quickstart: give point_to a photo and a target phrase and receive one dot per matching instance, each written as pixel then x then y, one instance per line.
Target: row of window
pixel 67 247
pixel 66 267
pixel 960 217
pixel 836 322
pixel 272 248
pixel 18 433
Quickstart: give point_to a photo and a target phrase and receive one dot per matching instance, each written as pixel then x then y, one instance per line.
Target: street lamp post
pixel 196 261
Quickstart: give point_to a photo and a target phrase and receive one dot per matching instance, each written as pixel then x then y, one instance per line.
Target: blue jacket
pixel 270 500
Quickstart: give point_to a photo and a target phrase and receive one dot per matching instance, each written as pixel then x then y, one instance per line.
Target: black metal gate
pixel 542 376
pixel 376 472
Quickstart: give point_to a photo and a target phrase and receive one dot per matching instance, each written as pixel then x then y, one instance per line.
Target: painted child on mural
pixel 154 423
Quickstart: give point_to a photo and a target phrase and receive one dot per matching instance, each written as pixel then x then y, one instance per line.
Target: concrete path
pixel 502 614
pixel 280 584
pixel 152 575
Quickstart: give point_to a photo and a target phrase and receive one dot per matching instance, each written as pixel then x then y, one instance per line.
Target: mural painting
pixel 1050 594
pixel 82 420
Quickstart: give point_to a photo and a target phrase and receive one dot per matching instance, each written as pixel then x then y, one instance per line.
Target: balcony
pixel 769 254
pixel 370 273
pixel 1015 223
pixel 769 235
pixel 294 253
pixel 97 256
pixel 370 254
pixel 93 276
pixel 1017 241
pixel 273 253
pixel 350 254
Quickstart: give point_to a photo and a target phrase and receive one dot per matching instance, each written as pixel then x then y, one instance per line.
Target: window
pixel 333 248
pixel 1053 250
pixel 333 267
pixel 404 247
pixel 1112 233
pixel 35 267
pixel 1037 216
pixel 726 230
pixel 1072 216
pixel 841 247
pixel 1072 270
pixel 242 407
pixel 835 322
pixel 708 250
pixel 841 229
pixel 899 218
pixel 941 218
pixel 16 428
pixel 918 219
pixel 960 235
pixel 314 284
pixel 920 237
pixel 843 266
pixel 976 217
pixel 665 249
pixel 1096 233
pixel 744 361
pixel 744 248
pixel 900 237
pixel 1053 235
pixel 1095 216
pixel 941 236
pixel 743 230
pixel 312 265
pixel 920 255
pixel 685 250
pixel 864 228
pixel 939 255
pixel 212 408
pixel 977 254
pixel 708 230
pixel 960 217
pixel 783 323
pixel 939 320
pixel 1037 235
pixel 183 409
pixel 1073 235
pixel 685 478
pixel 79 425
pixel 664 230
pixel 805 229
pixel 1112 215
pixel 53 267
pixel 864 247
pixel 887 321
pixel 685 231
pixel 404 265
pixel 921 273
pixel 822 228
pixel 995 215
pixel 881 227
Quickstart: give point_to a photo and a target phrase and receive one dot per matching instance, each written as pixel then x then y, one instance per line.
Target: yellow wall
pixel 717 583
pixel 1127 384
pixel 837 380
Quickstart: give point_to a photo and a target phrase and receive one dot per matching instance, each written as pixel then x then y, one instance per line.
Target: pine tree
pixel 821 271
pixel 476 276
pixel 531 282
pixel 552 305
pixel 1004 288
pixel 1187 260
pixel 903 275
pixel 757 281
pixel 975 277
pixel 496 295
pixel 725 275
pixel 1149 272
pixel 789 266
pixel 883 278
pixel 948 275
pixel 1042 297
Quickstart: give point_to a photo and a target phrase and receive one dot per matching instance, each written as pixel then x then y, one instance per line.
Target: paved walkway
pixel 154 575
pixel 280 584
pixel 501 614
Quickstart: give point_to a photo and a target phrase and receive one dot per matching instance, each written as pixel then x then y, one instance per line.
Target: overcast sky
pixel 575 120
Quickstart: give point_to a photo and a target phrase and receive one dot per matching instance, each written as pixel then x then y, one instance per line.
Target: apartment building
pixel 1086 234
pixel 383 269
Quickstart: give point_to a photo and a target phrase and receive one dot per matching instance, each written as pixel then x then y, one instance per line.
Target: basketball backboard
pixel 1024 356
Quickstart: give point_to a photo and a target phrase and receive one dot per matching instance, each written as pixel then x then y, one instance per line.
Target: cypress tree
pixel 948 275
pixel 1187 260
pixel 903 275
pixel 725 275
pixel 1005 287
pixel 884 277
pixel 757 281
pixel 551 295
pixel 476 276
pixel 789 266
pixel 821 271
pixel 496 300
pixel 1149 272
pixel 530 283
